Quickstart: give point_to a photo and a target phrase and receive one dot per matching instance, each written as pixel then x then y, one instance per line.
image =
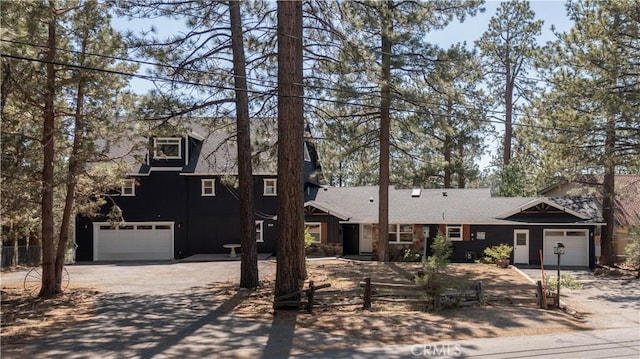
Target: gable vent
pixel 416 192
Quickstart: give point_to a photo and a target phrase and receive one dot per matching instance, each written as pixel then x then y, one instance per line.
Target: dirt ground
pixel 510 308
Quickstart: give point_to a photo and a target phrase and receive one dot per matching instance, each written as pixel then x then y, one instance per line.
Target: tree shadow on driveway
pixel 196 323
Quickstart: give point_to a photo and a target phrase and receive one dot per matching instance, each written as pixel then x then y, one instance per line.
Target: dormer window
pixel 167 148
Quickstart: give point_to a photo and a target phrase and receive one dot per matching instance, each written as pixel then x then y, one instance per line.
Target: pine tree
pixel 595 92
pixel 508 49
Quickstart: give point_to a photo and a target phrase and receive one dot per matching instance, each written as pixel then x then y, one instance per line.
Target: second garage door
pixel 576 242
pixel 133 241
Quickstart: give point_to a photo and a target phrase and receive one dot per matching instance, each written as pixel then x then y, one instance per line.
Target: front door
pixel 521 246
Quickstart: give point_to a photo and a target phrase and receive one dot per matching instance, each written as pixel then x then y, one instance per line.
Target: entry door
pixel 521 246
pixel 366 239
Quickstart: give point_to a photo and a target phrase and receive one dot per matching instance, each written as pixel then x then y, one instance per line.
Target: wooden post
pixel 367 294
pixel 479 292
pixel 310 297
pixel 541 300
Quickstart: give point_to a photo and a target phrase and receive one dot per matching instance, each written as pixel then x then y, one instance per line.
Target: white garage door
pixel 133 241
pixel 576 243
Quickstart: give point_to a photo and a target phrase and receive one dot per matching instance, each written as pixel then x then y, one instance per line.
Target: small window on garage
pixel 106 228
pixel 128 187
pixel 270 187
pixel 144 227
pixel 576 233
pixel 259 231
pixel 208 187
pixel 163 226
pixel 126 228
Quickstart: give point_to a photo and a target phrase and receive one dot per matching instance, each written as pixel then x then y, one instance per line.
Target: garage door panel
pixel 576 244
pixel 135 241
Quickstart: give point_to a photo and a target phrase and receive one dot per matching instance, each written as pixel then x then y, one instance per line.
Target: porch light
pixel 558 250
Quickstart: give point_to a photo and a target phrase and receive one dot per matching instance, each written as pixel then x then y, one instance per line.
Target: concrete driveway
pixel 603 301
pixel 149 277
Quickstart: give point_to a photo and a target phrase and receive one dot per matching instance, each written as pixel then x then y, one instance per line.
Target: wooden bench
pixel 233 247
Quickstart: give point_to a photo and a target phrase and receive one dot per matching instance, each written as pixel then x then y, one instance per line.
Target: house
pixel 470 218
pixel 180 197
pixel 627 202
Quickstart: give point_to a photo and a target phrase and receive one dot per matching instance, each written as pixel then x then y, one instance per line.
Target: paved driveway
pixel 605 301
pixel 150 278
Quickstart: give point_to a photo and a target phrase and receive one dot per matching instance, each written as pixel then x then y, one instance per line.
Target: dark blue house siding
pixel 499 234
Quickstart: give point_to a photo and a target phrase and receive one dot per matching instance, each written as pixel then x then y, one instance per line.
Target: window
pixel 454 233
pixel 167 148
pixel 163 226
pixel 307 156
pixel 128 187
pixel 315 230
pixel 400 233
pixel 259 231
pixel 270 187
pixel 144 227
pixel 208 187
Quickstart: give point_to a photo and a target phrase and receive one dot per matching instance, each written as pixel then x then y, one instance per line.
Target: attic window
pixel 416 192
pixel 167 148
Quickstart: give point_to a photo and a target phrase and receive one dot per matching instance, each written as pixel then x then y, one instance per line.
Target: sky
pixel 552 12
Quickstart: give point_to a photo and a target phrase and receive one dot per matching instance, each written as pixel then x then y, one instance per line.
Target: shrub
pixel 502 251
pixel 308 239
pixel 431 278
pixel 409 255
pixel 442 249
pixel 632 250
pixel 566 281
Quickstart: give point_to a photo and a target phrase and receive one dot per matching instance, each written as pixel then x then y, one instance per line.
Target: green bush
pixel 308 239
pixel 409 255
pixel 501 251
pixel 442 249
pixel 432 278
pixel 566 281
pixel 632 250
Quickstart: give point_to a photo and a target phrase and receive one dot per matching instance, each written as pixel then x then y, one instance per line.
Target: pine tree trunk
pixel 608 199
pixel 249 256
pixel 385 123
pixel 461 178
pixel 508 104
pixel 48 141
pixel 290 268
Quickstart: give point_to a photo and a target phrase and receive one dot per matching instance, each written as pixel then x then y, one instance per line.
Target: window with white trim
pixel 315 230
pixel 270 187
pixel 259 231
pixel 167 148
pixel 401 233
pixel 128 187
pixel 307 155
pixel 454 233
pixel 208 187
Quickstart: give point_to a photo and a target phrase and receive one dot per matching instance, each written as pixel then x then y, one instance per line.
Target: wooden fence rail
pixel 282 302
pixel 414 294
